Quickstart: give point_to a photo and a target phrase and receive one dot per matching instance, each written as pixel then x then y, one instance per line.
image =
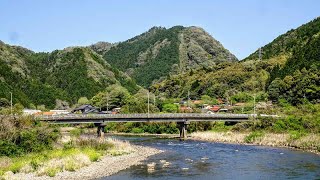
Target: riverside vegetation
pixel 28 146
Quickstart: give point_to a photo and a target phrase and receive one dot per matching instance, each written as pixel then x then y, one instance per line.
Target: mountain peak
pixel 101 47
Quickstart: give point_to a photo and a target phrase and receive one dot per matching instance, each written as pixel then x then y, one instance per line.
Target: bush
pixel 24 135
pixel 137 130
pixel 76 132
pixel 253 136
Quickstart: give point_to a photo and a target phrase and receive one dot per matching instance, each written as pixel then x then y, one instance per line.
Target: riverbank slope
pixel 308 142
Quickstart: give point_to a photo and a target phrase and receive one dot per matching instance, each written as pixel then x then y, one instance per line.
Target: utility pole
pixel 148 103
pixel 108 103
pixel 254 85
pixel 260 50
pixel 188 98
pixel 11 101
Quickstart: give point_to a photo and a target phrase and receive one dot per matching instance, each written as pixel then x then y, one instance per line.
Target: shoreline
pixel 106 166
pixel 306 144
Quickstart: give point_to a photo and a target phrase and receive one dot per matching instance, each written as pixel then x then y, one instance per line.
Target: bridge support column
pixel 183 129
pixel 100 130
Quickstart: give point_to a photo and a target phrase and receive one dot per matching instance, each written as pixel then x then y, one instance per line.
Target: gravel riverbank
pixel 309 142
pixel 107 166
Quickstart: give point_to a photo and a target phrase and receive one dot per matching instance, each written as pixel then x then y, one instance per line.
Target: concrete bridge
pixel 182 119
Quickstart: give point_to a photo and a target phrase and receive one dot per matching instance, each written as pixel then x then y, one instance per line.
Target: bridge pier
pixel 183 129
pixel 100 129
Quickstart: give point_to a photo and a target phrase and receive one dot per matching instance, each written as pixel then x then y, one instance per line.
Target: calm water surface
pixel 204 160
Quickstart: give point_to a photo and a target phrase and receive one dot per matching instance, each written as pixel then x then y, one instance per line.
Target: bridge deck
pixel 169 117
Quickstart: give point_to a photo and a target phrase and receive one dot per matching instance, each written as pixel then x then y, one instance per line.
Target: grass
pixel 78 154
pixel 76 132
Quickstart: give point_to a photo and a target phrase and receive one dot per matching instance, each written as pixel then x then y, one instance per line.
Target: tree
pixel 170 108
pixel 275 89
pixel 4 102
pixel 83 100
pixel 41 107
pixel 60 104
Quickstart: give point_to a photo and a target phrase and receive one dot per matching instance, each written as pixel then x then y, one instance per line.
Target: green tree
pixel 4 102
pixel 83 100
pixel 170 108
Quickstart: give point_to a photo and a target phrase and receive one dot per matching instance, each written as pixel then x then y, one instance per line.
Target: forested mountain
pixel 42 78
pixel 173 61
pixel 160 51
pixel 289 70
pixel 287 45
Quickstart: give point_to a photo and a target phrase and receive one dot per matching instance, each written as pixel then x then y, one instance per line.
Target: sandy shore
pixel 107 166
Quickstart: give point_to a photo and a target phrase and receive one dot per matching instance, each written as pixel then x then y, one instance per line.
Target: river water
pixel 204 160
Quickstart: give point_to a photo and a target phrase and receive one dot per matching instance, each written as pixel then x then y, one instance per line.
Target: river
pixel 204 160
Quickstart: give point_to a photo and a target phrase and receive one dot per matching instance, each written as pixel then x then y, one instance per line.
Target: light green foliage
pixel 170 108
pixel 242 97
pixel 92 154
pixel 41 107
pixel 83 100
pixel 208 100
pixel 113 96
pixel 253 136
pixel 76 132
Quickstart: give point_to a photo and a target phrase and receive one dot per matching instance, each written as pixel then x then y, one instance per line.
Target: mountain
pixel 289 70
pixel 68 74
pixel 101 47
pixel 160 52
pixel 286 45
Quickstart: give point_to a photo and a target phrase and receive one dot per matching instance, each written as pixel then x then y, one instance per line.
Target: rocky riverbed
pixel 106 166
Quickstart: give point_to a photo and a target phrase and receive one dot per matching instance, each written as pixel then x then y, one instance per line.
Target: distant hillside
pixel 289 69
pixel 41 78
pixel 283 47
pixel 160 51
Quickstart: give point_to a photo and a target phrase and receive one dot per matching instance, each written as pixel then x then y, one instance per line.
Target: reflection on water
pixel 203 160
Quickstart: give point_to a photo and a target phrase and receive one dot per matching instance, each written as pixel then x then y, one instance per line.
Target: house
pixel 85 109
pixel 30 111
pixel 185 109
pixel 214 108
pixel 57 112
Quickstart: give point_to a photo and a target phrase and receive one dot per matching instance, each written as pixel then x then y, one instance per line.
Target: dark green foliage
pixel 67 75
pixel 290 41
pixel 156 128
pixel 303 57
pixel 302 86
pixel 70 75
pixel 124 55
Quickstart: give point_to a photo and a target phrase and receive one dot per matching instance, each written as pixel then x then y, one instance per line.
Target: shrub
pixel 253 136
pixel 76 132
pixel 137 130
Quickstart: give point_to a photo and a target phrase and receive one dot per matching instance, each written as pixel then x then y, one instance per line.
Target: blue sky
pixel 241 26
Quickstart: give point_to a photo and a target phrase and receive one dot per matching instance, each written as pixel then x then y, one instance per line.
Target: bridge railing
pixel 145 116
